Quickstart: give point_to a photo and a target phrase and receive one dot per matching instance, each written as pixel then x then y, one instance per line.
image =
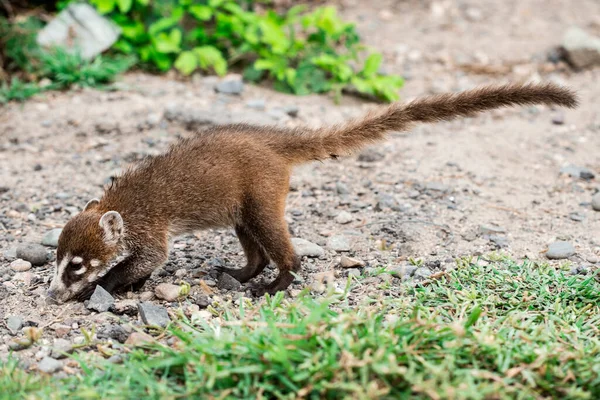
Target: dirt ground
pixel 436 193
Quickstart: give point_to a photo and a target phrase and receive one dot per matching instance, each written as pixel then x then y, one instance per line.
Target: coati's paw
pixel 280 284
pixel 237 273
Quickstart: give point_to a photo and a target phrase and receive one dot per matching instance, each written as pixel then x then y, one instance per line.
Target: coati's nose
pixel 51 293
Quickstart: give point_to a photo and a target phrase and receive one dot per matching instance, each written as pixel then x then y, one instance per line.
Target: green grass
pixel 503 330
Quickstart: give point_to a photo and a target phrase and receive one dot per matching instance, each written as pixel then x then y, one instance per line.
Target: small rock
pixel 577 216
pixel 146 296
pixel 423 273
pixel 228 282
pixel 370 155
pixel 596 202
pixel 577 172
pixel 167 291
pixel 499 241
pixel 491 229
pixel 51 238
pixel 20 265
pixel 115 359
pixel 305 248
pixel 101 300
pixel 560 250
pixel 49 365
pixel 61 348
pixel 353 272
pixel 257 104
pixel 581 49
pixel 14 324
pixel 347 262
pixel 404 272
pixel 291 110
pixel 341 188
pixel 139 339
pixel 558 118
pixel 344 217
pixel 385 201
pixel 36 254
pixel 232 84
pixel 125 307
pixel 106 127
pixel 153 315
pixel 116 332
pixel 436 186
pixel 339 243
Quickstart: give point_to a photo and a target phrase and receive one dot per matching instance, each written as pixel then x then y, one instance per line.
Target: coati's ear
pixel 90 204
pixel 112 224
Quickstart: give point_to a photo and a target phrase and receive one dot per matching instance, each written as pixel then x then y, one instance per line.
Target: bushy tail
pixel 302 145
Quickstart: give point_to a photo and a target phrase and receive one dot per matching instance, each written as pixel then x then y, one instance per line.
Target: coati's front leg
pixel 135 269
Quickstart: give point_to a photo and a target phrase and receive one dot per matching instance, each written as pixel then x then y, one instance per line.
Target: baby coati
pixel 236 176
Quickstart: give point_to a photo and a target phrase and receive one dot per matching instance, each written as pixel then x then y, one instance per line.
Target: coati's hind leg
pixel 256 257
pixel 265 221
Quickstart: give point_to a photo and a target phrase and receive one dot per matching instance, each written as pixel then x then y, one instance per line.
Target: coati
pixel 236 176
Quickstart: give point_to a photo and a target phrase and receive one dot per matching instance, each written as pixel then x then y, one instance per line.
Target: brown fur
pixel 238 175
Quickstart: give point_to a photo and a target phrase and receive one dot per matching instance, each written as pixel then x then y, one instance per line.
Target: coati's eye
pixel 76 265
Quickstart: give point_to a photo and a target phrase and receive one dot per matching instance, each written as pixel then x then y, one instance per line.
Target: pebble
pixel 139 339
pixel 36 254
pixel 348 262
pixel 228 282
pixel 491 229
pixel 257 104
pixel 404 272
pixel 153 315
pixel 14 324
pixel 60 348
pixel 20 265
pixel 167 291
pixel 577 216
pixel 596 202
pixel 560 250
pixel 343 218
pixel 146 296
pixel 341 188
pixel 51 238
pixel 500 241
pixel 116 332
pixel 423 273
pixel 582 49
pixel 353 272
pixel 436 187
pixel 370 155
pixel 339 243
pixel 292 110
pixel 115 359
pixel 49 365
pixel 578 172
pixel 558 118
pixel 305 248
pixel 101 300
pixel 385 201
pixel 232 84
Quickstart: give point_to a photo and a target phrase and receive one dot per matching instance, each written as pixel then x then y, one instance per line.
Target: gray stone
pixel 115 332
pixel 344 217
pixel 257 104
pixel 436 186
pixel 101 300
pixel 232 84
pixel 404 272
pixel 36 254
pixel 581 49
pixel 347 262
pixel 558 118
pixel 577 216
pixel 14 324
pixel 353 272
pixel 560 250
pixel 491 229
pixel 190 119
pixel 385 201
pixel 228 282
pixel 153 315
pixel 578 172
pixel 339 243
pixel 49 365
pixel 423 273
pixel 500 241
pixel 370 155
pixel 61 348
pixel 51 238
pixel 341 188
pixel 291 110
pixel 115 359
pixel 596 202
pixel 10 254
pixel 20 265
pixel 80 28
pixel 305 248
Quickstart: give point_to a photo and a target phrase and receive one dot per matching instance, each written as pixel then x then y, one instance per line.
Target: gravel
pixel 49 365
pixel 232 84
pixel 14 324
pixel 51 238
pixel 339 243
pixel 305 248
pixel 228 282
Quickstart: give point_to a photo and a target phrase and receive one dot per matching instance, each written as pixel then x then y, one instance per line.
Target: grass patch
pixel 500 330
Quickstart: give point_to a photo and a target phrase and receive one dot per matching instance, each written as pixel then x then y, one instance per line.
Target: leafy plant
pixel 301 51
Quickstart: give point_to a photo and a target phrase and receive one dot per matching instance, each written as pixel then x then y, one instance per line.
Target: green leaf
pixel 104 6
pixel 215 3
pixel 252 74
pixel 473 317
pixel 162 61
pixel 186 63
pixel 168 43
pixel 273 35
pixel 261 65
pixel 372 64
pixel 143 2
pixel 166 23
pixel 209 56
pixel 200 12
pixel 125 5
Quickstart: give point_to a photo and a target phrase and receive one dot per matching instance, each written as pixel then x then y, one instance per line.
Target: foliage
pixel 302 52
pixel 485 330
pixel 29 64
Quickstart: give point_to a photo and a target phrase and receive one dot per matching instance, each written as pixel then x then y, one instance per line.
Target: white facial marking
pixel 80 271
pixel 57 284
pixel 77 260
pixel 95 263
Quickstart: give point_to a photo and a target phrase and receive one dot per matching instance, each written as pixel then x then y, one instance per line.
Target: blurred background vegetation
pixel 300 49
